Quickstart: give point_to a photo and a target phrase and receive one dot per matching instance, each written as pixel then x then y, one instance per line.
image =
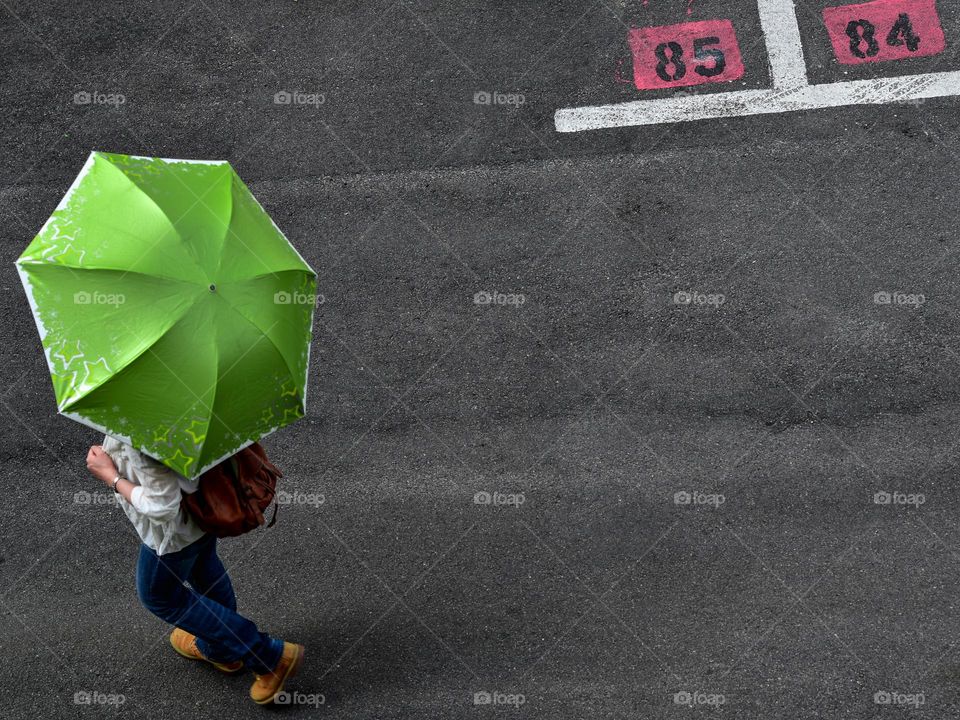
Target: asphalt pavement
pixel 697 456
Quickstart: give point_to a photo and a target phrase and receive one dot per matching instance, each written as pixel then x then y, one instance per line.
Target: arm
pixel 158 495
pixel 105 470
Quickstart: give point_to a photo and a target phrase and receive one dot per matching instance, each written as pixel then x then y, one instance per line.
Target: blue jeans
pixel 208 608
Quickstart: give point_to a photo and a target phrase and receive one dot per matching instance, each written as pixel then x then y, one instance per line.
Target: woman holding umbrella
pixel 175 551
pixel 175 318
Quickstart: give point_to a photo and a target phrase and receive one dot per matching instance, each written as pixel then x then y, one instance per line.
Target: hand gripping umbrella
pixel 173 312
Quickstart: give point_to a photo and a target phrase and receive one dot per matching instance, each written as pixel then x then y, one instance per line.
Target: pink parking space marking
pixel 884 30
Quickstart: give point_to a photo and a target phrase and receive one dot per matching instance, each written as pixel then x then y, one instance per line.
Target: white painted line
pixel 759 102
pixel 778 18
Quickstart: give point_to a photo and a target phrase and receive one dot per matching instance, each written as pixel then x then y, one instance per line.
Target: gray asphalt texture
pixel 797 400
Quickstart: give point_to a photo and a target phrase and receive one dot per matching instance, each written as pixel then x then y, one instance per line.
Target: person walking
pixel 174 551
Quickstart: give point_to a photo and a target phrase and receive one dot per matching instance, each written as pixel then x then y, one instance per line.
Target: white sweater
pixel 154 507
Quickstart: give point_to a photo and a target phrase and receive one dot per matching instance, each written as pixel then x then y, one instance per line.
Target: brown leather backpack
pixel 233 494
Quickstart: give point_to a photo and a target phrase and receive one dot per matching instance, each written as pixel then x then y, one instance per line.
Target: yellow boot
pixel 186 644
pixel 266 687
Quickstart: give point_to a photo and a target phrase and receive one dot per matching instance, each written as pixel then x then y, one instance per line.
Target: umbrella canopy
pixel 173 312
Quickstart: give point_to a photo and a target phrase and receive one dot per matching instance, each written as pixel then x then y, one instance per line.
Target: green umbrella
pixel 173 312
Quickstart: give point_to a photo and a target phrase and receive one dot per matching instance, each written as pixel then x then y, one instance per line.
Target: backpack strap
pixel 264 463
